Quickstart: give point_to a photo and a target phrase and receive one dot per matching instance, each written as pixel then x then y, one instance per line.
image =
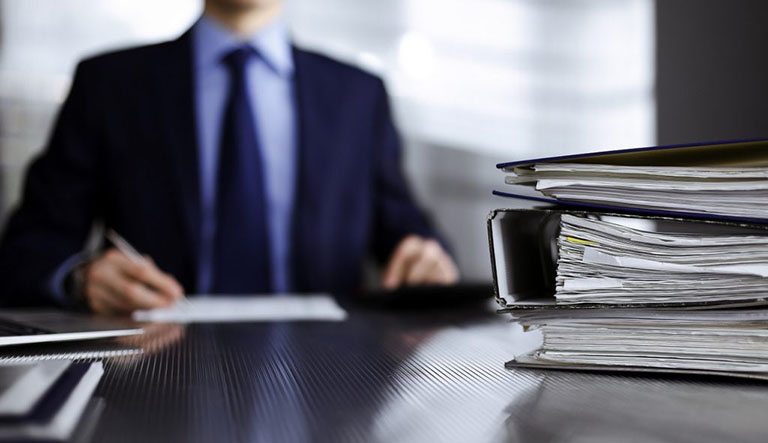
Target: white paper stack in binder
pixel 635 266
pixel 740 192
pixel 603 261
pixel 733 342
pixel 723 180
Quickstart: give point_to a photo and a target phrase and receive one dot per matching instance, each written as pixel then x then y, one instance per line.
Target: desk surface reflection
pixel 398 376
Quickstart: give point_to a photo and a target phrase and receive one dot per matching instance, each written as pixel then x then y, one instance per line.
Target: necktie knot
pixel 238 58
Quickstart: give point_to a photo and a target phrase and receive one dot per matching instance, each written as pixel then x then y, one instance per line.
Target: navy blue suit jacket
pixel 124 151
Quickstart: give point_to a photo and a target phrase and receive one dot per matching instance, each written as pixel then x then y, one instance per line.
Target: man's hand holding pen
pixel 120 280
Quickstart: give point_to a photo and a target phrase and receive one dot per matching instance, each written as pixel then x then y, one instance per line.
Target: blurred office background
pixel 473 82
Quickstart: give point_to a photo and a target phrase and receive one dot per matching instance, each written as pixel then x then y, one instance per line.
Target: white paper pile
pixel 603 261
pixel 741 192
pixel 734 342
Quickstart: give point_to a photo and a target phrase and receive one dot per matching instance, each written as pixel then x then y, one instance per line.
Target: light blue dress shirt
pixel 272 97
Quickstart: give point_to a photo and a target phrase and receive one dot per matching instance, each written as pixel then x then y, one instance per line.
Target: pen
pixel 123 246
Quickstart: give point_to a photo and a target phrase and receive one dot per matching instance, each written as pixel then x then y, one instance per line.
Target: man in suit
pixel 236 162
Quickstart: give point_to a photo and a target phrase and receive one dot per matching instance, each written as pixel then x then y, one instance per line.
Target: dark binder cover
pixel 736 153
pixel 524 258
pixel 526 362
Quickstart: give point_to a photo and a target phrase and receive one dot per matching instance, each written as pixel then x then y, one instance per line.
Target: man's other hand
pixel 418 260
pixel 115 283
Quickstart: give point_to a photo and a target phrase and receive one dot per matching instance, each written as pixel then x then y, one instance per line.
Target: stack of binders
pixel 44 400
pixel 651 259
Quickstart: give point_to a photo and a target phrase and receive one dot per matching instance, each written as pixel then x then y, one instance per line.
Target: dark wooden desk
pixel 398 376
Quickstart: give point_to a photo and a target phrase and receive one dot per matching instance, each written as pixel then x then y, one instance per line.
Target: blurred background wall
pixel 712 69
pixel 473 82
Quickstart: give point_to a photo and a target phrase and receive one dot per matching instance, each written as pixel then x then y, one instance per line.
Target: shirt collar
pixel 212 41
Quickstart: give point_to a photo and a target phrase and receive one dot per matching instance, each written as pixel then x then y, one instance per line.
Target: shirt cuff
pixel 56 282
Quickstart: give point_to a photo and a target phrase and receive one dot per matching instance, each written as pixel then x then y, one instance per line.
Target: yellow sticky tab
pixel 580 241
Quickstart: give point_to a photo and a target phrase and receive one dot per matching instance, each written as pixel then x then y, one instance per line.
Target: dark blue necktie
pixel 241 249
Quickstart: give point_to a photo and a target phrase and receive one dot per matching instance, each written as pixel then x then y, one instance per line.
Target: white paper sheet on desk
pixel 261 308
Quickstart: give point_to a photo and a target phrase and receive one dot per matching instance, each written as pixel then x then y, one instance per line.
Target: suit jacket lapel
pixel 177 112
pixel 312 111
